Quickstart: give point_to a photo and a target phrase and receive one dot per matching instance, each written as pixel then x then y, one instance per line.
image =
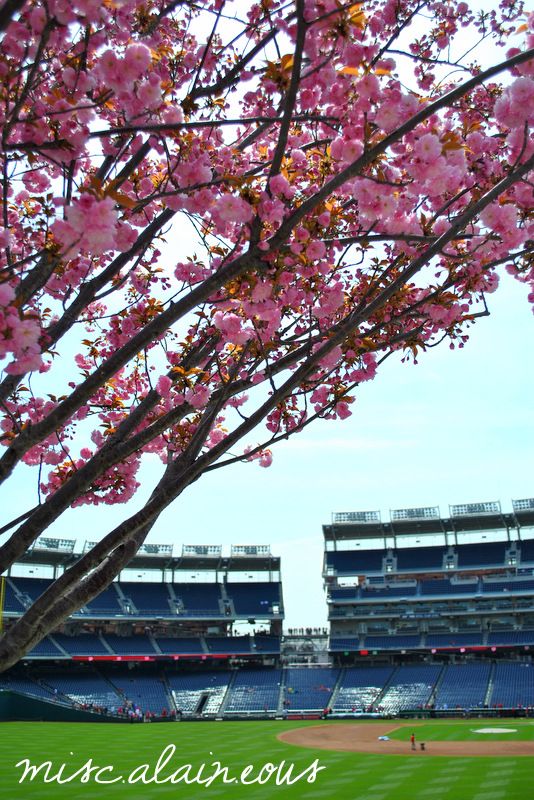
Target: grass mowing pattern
pixel 348 776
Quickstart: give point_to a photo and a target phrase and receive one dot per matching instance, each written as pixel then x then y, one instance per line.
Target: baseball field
pixel 344 760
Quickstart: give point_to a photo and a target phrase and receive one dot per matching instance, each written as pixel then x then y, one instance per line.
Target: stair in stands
pixel 489 690
pixel 335 693
pixel 435 690
pixel 385 688
pixel 227 694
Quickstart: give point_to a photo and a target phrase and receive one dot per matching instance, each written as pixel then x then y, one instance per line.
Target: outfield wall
pixel 23 708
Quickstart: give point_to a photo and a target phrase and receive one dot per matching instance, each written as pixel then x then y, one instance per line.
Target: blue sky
pixel 458 427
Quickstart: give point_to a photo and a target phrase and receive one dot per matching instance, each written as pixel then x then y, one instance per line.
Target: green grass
pixel 347 776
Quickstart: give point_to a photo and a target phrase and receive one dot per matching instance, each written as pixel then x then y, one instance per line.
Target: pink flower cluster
pixel 19 335
pixel 232 328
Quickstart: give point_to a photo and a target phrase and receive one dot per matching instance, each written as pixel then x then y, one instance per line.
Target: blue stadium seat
pixel 254 690
pixel 254 599
pixel 33 587
pixel 86 687
pixel 190 690
pixel 150 599
pixel 199 599
pixel 130 645
pixel 309 689
pixel 527 550
pixel 445 586
pixel 148 692
pixel 459 639
pixel 233 645
pixel 392 590
pixel 172 645
pixel 513 685
pixel 45 649
pixel 463 686
pixel 470 555
pixel 392 642
pixel 343 643
pixel 410 688
pixel 355 562
pixel 360 687
pixel 420 557
pixel 85 644
pixel 504 637
pixel 266 644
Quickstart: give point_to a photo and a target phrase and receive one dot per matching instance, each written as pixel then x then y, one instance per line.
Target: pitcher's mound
pixel 361 738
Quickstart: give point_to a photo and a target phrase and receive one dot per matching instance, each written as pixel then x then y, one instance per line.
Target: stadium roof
pixel 427 520
pixel 249 558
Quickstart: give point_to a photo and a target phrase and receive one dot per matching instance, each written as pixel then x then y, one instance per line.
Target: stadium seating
pixel 32 587
pixel 309 689
pixel 228 644
pixel 254 690
pixel 27 686
pixel 86 644
pixel 526 548
pixel 11 602
pixel 254 599
pixel 340 644
pixel 85 687
pixel 508 586
pixel 513 685
pixel 190 690
pixel 130 645
pixel 439 586
pixel 360 687
pixel 198 599
pixel 413 558
pixel 170 645
pixel 149 599
pixel 148 692
pixel 106 604
pixel 463 686
pixel 351 562
pixel 454 639
pixel 349 593
pixel 372 592
pixel 45 649
pixel 471 555
pixel 266 644
pixel 511 637
pixel 392 641
pixel 411 687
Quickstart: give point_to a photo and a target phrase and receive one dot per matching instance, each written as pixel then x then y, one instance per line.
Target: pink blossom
pixel 229 208
pixel 342 410
pixel 280 185
pixel 231 327
pixel 163 386
pixel 500 218
pixel 7 294
pixel 428 148
pixel 316 250
pixel 5 237
pixel 137 59
pixel 198 396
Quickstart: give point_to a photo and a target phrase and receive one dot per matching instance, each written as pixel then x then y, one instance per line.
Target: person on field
pixel 412 741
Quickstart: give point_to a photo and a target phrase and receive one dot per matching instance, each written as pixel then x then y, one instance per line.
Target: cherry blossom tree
pixel 219 218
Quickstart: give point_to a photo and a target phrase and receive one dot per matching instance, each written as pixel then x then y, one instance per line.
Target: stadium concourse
pixel 429 615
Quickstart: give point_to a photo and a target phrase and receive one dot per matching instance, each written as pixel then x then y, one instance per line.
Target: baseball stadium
pixel 422 685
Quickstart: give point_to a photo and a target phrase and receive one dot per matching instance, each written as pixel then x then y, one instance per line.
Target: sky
pixel 457 427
